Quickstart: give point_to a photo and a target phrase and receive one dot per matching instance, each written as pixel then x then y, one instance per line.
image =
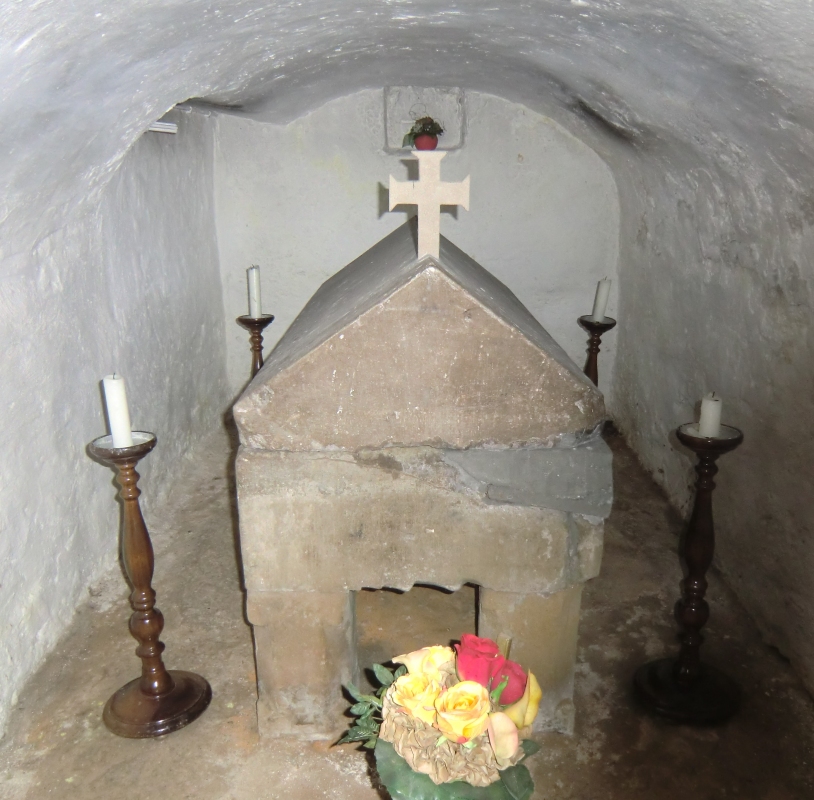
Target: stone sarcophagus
pixel 415 425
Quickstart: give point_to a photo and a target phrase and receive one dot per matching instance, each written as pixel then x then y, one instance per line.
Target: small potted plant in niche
pixel 423 135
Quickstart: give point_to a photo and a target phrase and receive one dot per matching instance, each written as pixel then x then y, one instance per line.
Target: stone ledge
pixel 393 521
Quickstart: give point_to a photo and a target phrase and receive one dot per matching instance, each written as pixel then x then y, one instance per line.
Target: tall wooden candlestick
pixel 160 701
pixel 596 329
pixel 684 689
pixel 255 326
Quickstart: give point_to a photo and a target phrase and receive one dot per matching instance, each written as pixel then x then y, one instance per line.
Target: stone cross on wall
pixel 429 193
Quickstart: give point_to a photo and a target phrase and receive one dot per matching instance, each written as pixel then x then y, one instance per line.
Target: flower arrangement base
pixel 438 728
pixel 403 783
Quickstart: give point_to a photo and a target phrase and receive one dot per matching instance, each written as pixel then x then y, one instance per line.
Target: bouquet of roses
pixel 450 717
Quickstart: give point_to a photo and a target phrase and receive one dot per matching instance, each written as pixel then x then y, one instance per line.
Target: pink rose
pixel 504 738
pixel 478 660
pixel 516 685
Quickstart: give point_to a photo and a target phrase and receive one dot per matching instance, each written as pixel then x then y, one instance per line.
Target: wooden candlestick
pixel 596 329
pixel 160 701
pixel 256 326
pixel 684 689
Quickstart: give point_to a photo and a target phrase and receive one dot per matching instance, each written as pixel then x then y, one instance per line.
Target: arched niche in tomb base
pixel 415 425
pixel 390 622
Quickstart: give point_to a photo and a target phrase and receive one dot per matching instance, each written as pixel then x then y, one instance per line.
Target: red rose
pixel 517 682
pixel 478 660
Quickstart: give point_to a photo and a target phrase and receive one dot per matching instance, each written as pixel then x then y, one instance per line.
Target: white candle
pixel 601 300
pixel 253 274
pixel 710 424
pixel 117 411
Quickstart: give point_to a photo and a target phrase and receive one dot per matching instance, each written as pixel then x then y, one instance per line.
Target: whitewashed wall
pixel 703 111
pixel 718 292
pixel 131 285
pixel 303 199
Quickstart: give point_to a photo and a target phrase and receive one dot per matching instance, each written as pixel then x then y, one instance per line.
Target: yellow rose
pixel 417 694
pixel 523 712
pixel 463 711
pixel 427 660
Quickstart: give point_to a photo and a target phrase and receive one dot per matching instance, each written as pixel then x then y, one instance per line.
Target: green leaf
pixel 357 695
pixel 402 670
pixel 354 735
pixel 518 782
pixel 383 675
pixel 363 698
pixel 354 692
pixel 404 784
pixel 530 747
pixel 360 709
pixel 407 141
pixel 369 725
pixel 371 743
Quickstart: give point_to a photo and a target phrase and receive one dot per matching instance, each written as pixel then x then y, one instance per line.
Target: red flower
pixel 517 682
pixel 478 660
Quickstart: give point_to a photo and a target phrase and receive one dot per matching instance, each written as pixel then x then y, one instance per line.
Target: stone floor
pixel 57 746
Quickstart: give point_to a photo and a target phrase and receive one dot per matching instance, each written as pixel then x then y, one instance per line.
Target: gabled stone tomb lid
pixel 393 350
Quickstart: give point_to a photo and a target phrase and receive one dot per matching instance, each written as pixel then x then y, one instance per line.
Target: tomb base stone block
pixel 415 425
pixel 305 652
pixel 543 631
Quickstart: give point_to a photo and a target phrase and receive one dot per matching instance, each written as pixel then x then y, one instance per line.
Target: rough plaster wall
pixel 303 200
pixel 132 285
pixel 705 102
pixel 729 244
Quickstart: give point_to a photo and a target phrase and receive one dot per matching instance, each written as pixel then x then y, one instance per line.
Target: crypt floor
pixel 58 747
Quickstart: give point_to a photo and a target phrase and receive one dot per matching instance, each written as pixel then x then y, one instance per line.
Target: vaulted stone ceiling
pixel 703 109
pixel 82 80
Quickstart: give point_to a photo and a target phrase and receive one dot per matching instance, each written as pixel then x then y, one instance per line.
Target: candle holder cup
pixel 256 326
pixel 596 329
pixel 161 700
pixel 684 689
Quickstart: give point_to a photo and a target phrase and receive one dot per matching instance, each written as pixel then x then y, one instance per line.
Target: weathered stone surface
pixel 568 478
pixel 415 425
pixel 328 522
pixel 305 651
pixel 392 350
pixel 543 630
